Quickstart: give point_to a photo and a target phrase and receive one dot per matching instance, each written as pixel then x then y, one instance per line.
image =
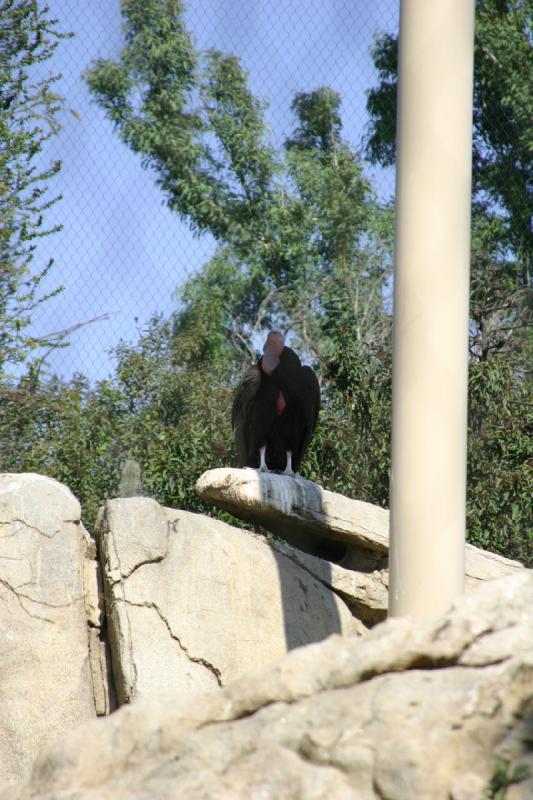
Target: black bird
pixel 275 409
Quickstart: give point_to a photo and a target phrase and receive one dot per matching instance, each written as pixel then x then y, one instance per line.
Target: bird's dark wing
pixel 288 370
pixel 309 393
pixel 242 416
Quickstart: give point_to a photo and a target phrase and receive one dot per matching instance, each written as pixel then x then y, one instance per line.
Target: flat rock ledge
pixel 296 509
pixel 352 533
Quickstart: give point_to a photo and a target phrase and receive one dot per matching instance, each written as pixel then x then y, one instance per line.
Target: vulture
pixel 275 409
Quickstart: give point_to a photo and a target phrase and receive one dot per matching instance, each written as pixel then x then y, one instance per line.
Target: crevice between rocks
pixel 99 647
pixel 155 560
pixel 101 670
pixel 418 662
pixel 194 659
pixel 124 686
pixel 20 596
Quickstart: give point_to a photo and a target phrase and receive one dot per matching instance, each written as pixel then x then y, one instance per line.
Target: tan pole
pixel 430 345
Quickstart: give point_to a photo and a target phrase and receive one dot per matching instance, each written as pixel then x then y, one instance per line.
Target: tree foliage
pixel 291 224
pixel 170 412
pixel 192 119
pixel 503 109
pixel 502 157
pixel 499 475
pixel 29 107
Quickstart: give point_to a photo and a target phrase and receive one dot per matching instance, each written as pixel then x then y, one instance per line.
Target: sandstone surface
pixel 193 603
pixel 47 585
pixel 408 711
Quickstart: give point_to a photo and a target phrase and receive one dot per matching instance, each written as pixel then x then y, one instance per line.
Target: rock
pixel 130 479
pixel 365 593
pixel 523 789
pixel 99 651
pixel 481 565
pixel 297 510
pixel 311 518
pixel 193 603
pixel 46 580
pixel 408 711
pixel 468 786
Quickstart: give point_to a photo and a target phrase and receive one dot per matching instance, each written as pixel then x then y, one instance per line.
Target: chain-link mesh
pixel 122 253
pixel 289 234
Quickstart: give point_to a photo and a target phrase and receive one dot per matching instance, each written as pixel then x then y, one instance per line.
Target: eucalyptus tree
pixel 500 479
pixel 502 241
pixel 29 109
pixel 302 240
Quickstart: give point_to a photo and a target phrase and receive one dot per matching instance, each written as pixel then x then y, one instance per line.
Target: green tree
pixel 503 109
pixel 499 473
pixel 167 407
pixel 500 302
pixel 289 250
pixel 191 117
pixel 502 158
pixel 500 479
pixel 174 421
pixel 296 228
pixel 29 109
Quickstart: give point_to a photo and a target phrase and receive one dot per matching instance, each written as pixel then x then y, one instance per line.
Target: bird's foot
pixel 288 469
pixel 262 459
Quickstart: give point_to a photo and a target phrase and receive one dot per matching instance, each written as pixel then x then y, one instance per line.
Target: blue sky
pixel 121 251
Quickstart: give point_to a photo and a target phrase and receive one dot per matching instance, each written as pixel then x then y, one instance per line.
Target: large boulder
pixel 408 711
pixel 49 614
pixel 193 602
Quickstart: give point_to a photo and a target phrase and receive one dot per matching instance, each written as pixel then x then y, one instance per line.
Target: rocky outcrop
pixel 297 510
pixel 195 607
pixel 49 620
pixel 352 534
pixel 193 603
pixel 409 711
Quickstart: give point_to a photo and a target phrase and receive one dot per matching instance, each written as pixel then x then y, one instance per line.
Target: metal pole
pixel 430 346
